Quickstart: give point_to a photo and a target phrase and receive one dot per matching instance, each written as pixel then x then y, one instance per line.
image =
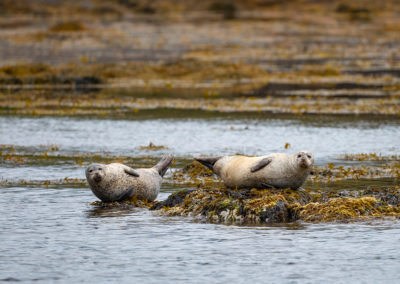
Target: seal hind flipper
pixel 209 162
pixel 266 186
pixel 131 172
pixel 126 195
pixel 261 164
pixel 163 164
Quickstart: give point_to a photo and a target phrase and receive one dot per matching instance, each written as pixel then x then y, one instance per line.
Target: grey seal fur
pixel 118 182
pixel 276 170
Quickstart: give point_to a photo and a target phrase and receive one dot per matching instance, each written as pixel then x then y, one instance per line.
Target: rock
pixel 172 200
pixel 392 199
pixel 276 214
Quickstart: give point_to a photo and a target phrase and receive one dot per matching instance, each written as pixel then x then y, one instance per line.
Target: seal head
pixel 304 159
pixel 95 172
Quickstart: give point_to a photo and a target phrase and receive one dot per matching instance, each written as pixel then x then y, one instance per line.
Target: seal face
pixel 95 172
pixel 118 182
pixel 305 159
pixel 277 170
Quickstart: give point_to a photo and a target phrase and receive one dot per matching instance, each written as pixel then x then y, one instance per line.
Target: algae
pixel 280 206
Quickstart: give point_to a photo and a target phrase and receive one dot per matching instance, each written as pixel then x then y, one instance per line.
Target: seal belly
pixel 148 184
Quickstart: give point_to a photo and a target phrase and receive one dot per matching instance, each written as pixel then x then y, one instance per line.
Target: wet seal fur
pixel 277 170
pixel 118 182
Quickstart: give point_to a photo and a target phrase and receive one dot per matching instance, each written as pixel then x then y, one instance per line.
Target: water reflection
pixel 121 210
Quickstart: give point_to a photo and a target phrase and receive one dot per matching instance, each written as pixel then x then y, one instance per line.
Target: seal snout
pixel 97 177
pixel 304 163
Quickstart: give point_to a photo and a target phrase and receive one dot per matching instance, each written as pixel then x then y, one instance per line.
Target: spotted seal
pixel 271 171
pixel 118 182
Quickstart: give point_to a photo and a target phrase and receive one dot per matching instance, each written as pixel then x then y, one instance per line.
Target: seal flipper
pixel 131 172
pixel 261 164
pixel 266 186
pixel 126 195
pixel 209 162
pixel 163 164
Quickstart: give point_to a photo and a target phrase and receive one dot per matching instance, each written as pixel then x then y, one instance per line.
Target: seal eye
pixel 90 171
pixel 309 156
pixel 299 156
pixel 99 169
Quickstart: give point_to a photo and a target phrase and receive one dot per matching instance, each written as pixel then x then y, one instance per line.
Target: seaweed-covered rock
pixel 278 213
pixel 344 209
pixel 234 206
pixel 392 199
pixel 389 196
pixel 172 200
pixel 276 206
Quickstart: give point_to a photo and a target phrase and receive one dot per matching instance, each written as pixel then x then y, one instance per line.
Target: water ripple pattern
pixel 55 236
pixel 201 136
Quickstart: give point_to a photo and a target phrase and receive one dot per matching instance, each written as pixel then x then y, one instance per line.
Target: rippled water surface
pixel 56 236
pixel 202 136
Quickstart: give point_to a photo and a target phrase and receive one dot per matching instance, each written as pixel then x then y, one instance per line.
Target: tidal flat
pixel 129 81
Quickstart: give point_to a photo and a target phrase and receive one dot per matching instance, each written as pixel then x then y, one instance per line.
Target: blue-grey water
pixel 202 136
pixel 55 236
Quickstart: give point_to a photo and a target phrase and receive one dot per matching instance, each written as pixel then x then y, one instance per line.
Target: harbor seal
pixel 271 171
pixel 118 182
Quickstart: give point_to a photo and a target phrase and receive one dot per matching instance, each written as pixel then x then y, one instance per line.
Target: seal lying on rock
pixel 117 182
pixel 275 170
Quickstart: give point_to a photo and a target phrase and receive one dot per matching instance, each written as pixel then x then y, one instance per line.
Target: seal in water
pixel 271 171
pixel 117 182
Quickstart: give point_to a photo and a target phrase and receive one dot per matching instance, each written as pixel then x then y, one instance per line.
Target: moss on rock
pixel 274 206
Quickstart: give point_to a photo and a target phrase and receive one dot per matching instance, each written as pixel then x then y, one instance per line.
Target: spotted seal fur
pixel 277 170
pixel 118 182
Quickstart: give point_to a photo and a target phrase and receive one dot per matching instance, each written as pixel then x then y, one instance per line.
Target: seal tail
pixel 163 164
pixel 208 161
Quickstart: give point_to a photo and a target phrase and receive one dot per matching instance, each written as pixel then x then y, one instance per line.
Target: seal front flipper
pixel 261 164
pixel 131 172
pixel 209 162
pixel 125 195
pixel 163 164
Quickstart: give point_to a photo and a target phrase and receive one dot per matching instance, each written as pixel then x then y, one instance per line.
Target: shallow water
pixel 56 236
pixel 187 137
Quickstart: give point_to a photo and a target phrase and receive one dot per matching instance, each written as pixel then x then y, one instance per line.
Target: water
pixel 187 137
pixel 56 236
